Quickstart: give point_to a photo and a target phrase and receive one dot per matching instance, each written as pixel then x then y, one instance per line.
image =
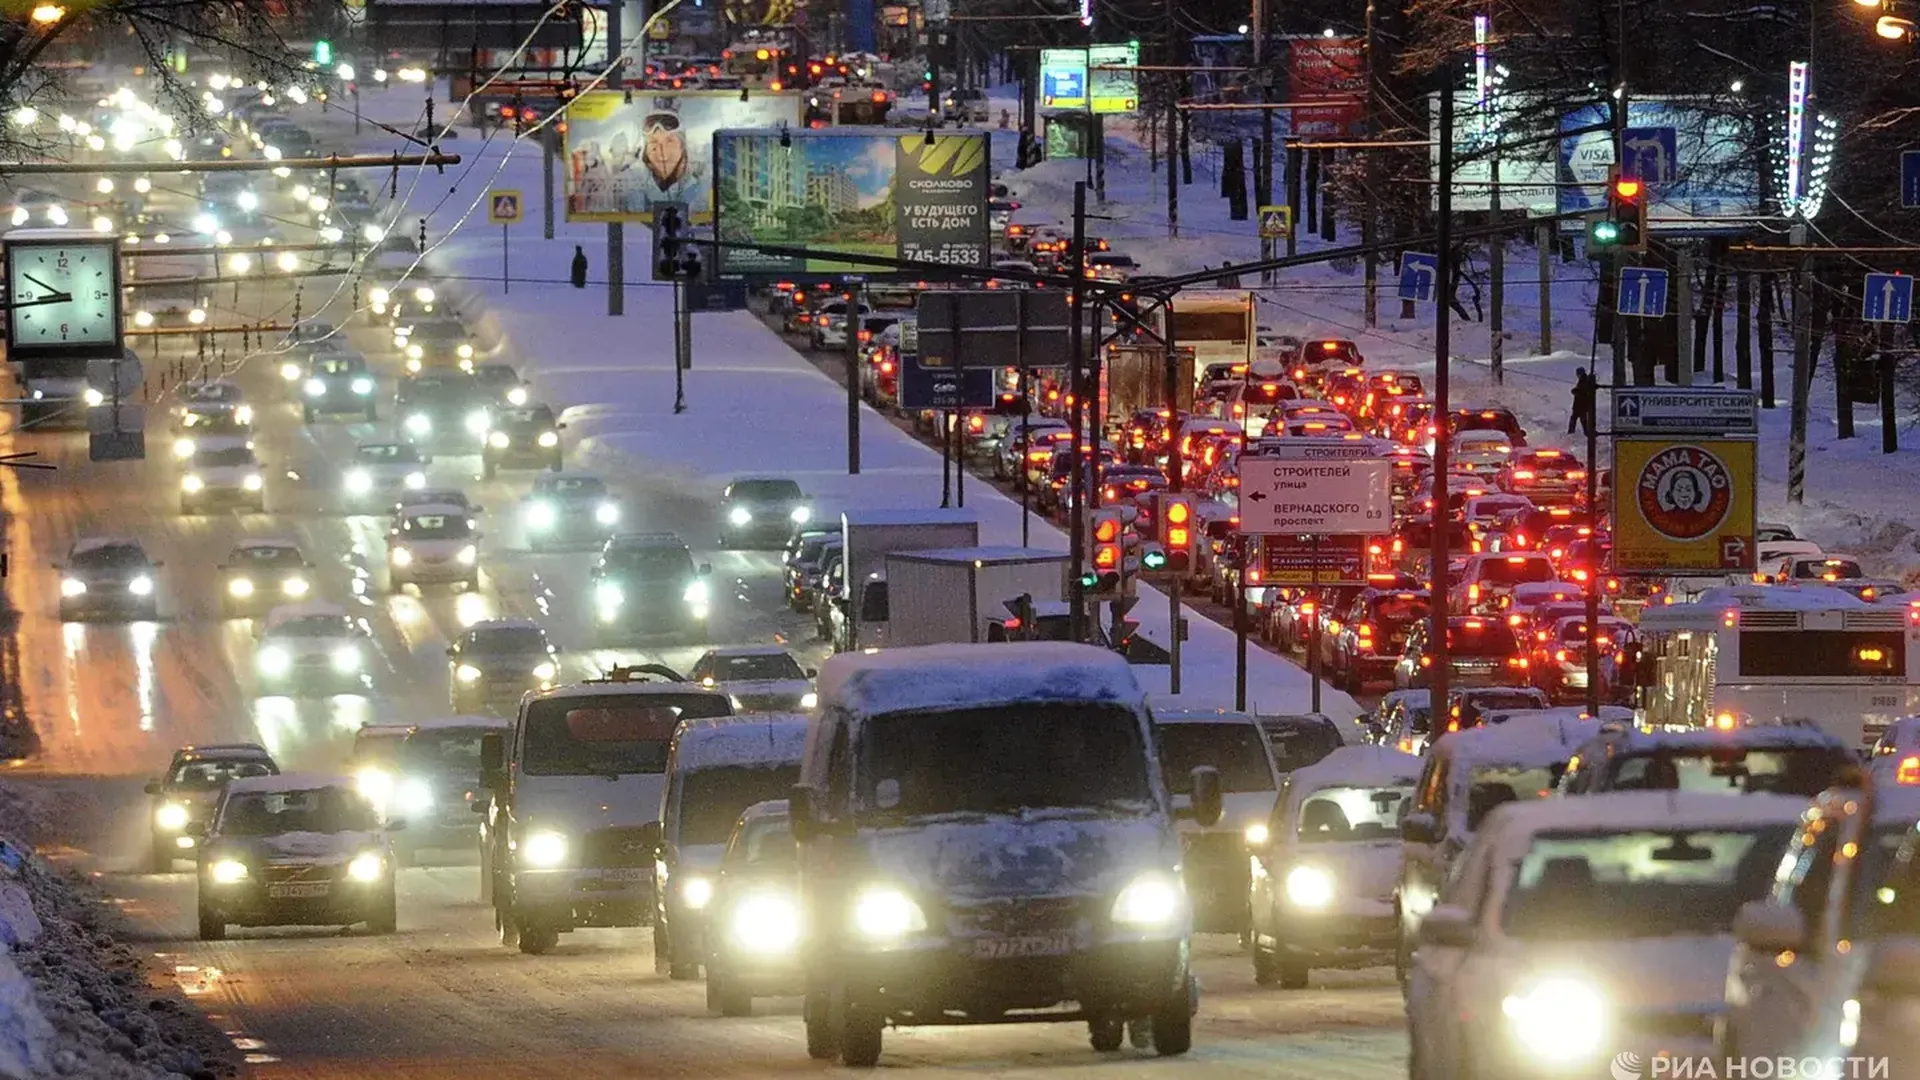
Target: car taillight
pixel 1523 474
pixel 1473 594
pixel 1426 661
pixel 1908 772
pixel 1517 662
pixel 1560 656
pixel 1253 576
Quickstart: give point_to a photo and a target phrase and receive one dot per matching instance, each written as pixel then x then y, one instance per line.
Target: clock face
pixel 85 273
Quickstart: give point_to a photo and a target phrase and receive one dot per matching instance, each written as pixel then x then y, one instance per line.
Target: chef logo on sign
pixel 1684 492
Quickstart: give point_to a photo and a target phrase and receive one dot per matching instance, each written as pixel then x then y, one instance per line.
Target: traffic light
pixel 1106 556
pixel 1624 225
pixel 1175 518
pixel 673 259
pixel 323 52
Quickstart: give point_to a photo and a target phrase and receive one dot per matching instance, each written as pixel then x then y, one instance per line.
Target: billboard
pixel 1701 166
pixel 1301 560
pixel 1327 68
pixel 623 154
pixel 908 196
pixel 1063 78
pixel 1683 505
pixel 1527 172
pixel 1113 91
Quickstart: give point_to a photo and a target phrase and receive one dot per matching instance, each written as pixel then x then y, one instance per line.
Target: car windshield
pixel 1729 770
pixel 378 746
pixel 712 800
pixel 1345 814
pixel 507 640
pixel 339 365
pixel 316 810
pixel 1002 759
pixel 752 491
pixel 315 626
pixel 388 454
pixel 221 457
pixel 609 735
pixel 531 416
pixel 266 556
pixel 1232 749
pixel 1297 744
pixel 213 393
pixel 439 331
pixel 214 775
pixel 1397 609
pixel 437 527
pixel 1614 885
pixel 756 666
pixel 572 487
pixel 451 752
pixel 1488 639
pixel 1828 570
pixel 1516 570
pixel 111 557
pixel 765 843
pixel 648 562
pixel 495 376
pixel 1494 785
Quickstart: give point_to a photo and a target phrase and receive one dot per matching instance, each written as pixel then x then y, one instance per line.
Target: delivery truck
pixel 953 595
pixel 867 538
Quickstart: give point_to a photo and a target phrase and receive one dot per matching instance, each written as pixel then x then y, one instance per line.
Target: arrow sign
pixel 1417 271
pixel 1887 298
pixel 1643 292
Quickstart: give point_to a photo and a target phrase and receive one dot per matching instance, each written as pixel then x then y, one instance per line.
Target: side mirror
pixel 1447 927
pixel 153 787
pixel 1769 927
pixel 1207 798
pixel 1420 828
pixel 493 758
pixel 800 812
pixel 810 672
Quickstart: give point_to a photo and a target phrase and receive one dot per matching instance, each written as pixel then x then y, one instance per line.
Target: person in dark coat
pixel 1228 278
pixel 1586 394
pixel 579 270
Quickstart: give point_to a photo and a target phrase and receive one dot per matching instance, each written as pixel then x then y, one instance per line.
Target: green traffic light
pixel 1154 560
pixel 1089 579
pixel 323 52
pixel 1605 232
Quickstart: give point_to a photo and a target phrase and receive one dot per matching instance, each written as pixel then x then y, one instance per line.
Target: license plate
pixel 626 873
pixel 1885 701
pixel 1057 944
pixel 298 890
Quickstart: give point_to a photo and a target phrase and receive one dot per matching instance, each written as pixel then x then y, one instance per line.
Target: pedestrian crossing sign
pixel 504 207
pixel 1276 222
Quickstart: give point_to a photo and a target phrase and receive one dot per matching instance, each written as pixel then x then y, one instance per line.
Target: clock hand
pixel 38 282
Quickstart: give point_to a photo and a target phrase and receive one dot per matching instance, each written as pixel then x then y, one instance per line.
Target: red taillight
pixel 1908 772
pixel 1517 662
pixel 886 367
pixel 1011 624
pixel 1253 576
pixel 1560 656
pixel 1523 474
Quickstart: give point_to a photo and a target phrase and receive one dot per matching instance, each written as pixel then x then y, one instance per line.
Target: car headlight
pixel 141 586
pixel 93 397
pixel 809 699
pixel 359 481
pixel 424 294
pixel 1255 834
pixel 184 448
pixel 366 867
pixel 467 673
pixel 295 587
pixel 419 424
pixel 415 352
pixel 274 660
pixel 416 480
pixel 544 849
pixel 765 922
pixel 363 387
pixel 549 439
pixel 243 415
pixel 20 215
pixel 379 296
pixel 375 784
pixel 607 513
pixel 517 396
pixel 609 595
pixel 401 556
pixel 253 482
pixel 1309 887
pixel 477 423
pixel 885 914
pixel 545 670
pixel 171 817
pixel 1559 1019
pixel 498 440
pixel 72 587
pixel 1149 901
pixel 739 516
pixel 227 872
pixel 540 515
pixel 240 588
pixel 191 483
pixel 468 555
pixel 414 796
pixel 464 352
pixel 696 891
pixel 696 593
pixel 346 659
pixel 801 515
pixel 316 387
pixel 290 371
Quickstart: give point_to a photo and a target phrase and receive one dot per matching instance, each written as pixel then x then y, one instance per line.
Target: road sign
pixel 1703 411
pixel 1325 491
pixel 1888 298
pixel 945 388
pixel 1684 505
pixel 1652 154
pixel 1417 271
pixel 1276 222
pixel 1063 78
pixel 503 207
pixel 1643 292
pixel 1298 560
pixel 116 434
pixel 1003 328
pixel 1910 180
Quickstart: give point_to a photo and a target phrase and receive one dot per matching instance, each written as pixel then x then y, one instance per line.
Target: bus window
pixel 1823 653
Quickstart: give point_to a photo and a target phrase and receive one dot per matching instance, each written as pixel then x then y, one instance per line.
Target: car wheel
pixel 161 861
pixel 1173 1024
pixel 212 927
pixel 860 1038
pixel 504 921
pixel 1105 1033
pixel 1293 975
pixel 726 999
pixel 662 947
pixel 386 918
pixel 822 1045
pixel 1266 969
pixel 538 940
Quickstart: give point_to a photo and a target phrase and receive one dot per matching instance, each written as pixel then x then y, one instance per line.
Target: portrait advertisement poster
pixel 905 196
pixel 1683 505
pixel 623 154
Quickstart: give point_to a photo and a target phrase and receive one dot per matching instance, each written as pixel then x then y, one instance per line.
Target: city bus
pixel 1756 653
pixel 1217 324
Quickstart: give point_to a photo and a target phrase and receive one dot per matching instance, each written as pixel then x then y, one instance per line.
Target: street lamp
pixel 48 14
pixel 1893 28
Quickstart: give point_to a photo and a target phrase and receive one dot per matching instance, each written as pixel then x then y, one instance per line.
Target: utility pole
pixel 616 231
pixel 1173 173
pixel 1683 315
pixel 547 156
pixel 1442 362
pixel 1264 189
pixel 1543 241
pixel 856 320
pixel 1370 212
pixel 1076 390
pixel 1802 372
pixel 1176 465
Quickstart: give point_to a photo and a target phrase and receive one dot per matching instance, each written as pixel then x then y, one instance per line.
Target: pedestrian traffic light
pixel 323 52
pixel 1175 518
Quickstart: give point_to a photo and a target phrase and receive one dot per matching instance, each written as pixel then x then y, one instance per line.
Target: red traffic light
pixel 1106 557
pixel 1106 530
pixel 1627 188
pixel 1179 511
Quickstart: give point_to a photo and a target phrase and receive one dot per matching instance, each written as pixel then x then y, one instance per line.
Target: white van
pixel 573 803
pixel 985 836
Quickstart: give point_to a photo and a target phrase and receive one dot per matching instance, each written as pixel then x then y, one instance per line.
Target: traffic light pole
pixel 1176 483
pixel 1313 628
pixel 1076 383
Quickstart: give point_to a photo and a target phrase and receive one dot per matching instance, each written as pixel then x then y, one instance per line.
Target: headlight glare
pixel 1149 901
pixel 1309 887
pixel 363 386
pixel 549 439
pixel 274 660
pixel 545 670
pixel 607 513
pixel 401 556
pixel 171 816
pixel 416 480
pixel 467 673
pixel 739 516
pixel 228 871
pixel 1557 1019
pixel 359 481
pixel 419 424
pixel 316 387
pixel 498 440
pixel 765 922
pixel 697 592
pixel 240 588
pixel 540 515
pixel 477 423
pixel 295 587
pixel 345 659
pixel 801 515
pixel 192 483
pixel 469 555
pixel 1255 834
pixel 141 586
pixel 290 371
pixel 544 849
pixel 696 891
pixel 253 482
pixel 71 587
pixel 885 914
pixel 809 699
pixel 366 867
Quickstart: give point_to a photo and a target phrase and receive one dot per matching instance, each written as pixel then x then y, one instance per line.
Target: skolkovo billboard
pixel 866 192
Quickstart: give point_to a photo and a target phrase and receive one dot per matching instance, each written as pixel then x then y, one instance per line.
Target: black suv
pixel 183 798
pixel 497 660
pixel 648 583
pixel 336 383
pixel 762 510
pixel 526 437
pixel 444 411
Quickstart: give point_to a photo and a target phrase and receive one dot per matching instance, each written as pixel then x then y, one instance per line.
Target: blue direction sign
pixel 1417 271
pixel 1888 298
pixel 1643 292
pixel 1651 154
pixel 1910 180
pixel 945 387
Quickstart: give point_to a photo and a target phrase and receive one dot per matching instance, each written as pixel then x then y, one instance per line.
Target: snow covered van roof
pixel 969 676
pixel 971 555
pixel 1528 737
pixel 1202 716
pixel 449 723
pixel 1626 811
pixel 760 739
pixel 749 650
pixel 1357 766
